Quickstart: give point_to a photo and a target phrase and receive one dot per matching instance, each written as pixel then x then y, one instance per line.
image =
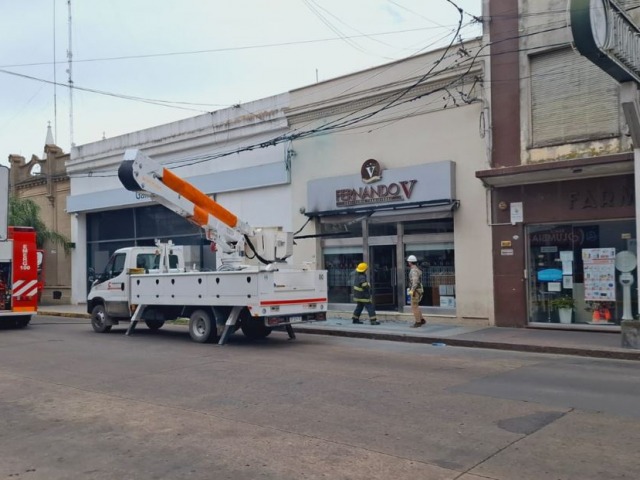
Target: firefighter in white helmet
pixel 362 295
pixel 415 291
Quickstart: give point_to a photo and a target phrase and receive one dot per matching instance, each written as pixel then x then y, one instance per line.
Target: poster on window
pixel 599 274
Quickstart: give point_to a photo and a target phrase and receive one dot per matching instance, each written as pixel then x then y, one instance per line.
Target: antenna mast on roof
pixel 69 71
pixel 55 82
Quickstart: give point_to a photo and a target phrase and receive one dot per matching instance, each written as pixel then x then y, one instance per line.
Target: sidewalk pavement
pixel 564 342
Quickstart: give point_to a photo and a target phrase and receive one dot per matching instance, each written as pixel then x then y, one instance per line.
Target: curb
pixel 456 342
pixel 63 314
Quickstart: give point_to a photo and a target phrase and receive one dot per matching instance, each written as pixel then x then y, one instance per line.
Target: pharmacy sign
pixel 605 34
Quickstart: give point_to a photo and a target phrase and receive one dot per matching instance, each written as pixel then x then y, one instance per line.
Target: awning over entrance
pixel 577 169
pixel 432 212
pixel 409 213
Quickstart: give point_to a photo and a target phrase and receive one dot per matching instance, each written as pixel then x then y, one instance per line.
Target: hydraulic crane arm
pixel 139 173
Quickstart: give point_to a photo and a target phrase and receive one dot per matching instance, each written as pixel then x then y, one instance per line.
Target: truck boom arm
pixel 232 236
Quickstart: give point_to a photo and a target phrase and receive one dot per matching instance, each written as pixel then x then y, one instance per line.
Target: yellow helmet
pixel 362 267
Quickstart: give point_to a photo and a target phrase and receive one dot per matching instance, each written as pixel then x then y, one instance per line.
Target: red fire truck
pixel 19 284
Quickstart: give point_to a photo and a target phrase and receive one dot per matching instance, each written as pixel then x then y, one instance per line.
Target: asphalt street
pixel 76 404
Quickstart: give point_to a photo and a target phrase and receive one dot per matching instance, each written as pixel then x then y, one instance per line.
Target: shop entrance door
pixel 383 278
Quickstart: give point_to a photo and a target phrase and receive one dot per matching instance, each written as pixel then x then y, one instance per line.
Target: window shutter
pixel 571 99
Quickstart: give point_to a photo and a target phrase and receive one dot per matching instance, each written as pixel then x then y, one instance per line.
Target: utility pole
pixel 70 72
pixel 55 81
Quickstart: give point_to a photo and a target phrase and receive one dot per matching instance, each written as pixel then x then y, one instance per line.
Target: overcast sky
pixel 191 56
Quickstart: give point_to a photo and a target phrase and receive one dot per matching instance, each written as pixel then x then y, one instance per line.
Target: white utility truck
pixel 151 283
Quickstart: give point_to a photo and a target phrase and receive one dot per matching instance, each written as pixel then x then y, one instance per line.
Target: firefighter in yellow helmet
pixel 362 295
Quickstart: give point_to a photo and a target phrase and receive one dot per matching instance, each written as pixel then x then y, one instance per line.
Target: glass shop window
pixel 437 262
pixel 347 228
pixel 340 263
pixel 578 273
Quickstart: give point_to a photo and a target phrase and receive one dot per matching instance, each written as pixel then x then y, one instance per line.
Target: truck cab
pixel 110 290
pixel 19 285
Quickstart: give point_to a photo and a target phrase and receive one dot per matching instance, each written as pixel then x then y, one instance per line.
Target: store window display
pixel 353 239
pixel 339 263
pixel 436 261
pixel 587 267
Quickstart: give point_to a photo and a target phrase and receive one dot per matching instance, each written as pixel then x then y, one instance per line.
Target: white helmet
pixel 412 259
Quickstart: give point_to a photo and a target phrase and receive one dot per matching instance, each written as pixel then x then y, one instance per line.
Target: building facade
pixel 388 171
pixel 372 167
pixel 225 154
pixel 561 176
pixel 45 182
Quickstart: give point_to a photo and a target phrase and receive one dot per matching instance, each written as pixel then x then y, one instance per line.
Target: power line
pixel 387 102
pixel 164 103
pixel 187 105
pixel 343 123
pixel 225 49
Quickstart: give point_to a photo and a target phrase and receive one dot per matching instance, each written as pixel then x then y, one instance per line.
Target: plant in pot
pixel 565 305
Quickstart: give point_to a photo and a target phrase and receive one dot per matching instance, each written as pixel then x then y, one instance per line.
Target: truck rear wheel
pixel 254 328
pixel 154 324
pixel 202 328
pixel 99 319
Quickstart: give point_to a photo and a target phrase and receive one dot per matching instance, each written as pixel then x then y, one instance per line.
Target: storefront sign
pixel 549 240
pixel 371 171
pixel 375 187
pixel 375 194
pixel 606 35
pixel 588 199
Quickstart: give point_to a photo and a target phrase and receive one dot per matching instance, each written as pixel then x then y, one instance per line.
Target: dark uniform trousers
pixel 362 296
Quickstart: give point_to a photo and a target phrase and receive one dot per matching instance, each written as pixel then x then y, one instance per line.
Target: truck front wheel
pixel 99 319
pixel 202 328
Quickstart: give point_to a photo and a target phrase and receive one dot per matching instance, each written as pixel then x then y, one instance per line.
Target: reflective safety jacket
pixel 361 288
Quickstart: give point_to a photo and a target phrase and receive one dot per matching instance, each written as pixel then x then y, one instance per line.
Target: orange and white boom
pixel 139 173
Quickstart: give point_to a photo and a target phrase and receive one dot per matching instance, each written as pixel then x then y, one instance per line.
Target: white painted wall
pixel 188 147
pixel 419 132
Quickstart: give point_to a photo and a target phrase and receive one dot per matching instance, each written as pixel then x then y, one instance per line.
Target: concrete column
pixel 630 329
pixel 631 109
pixel 630 334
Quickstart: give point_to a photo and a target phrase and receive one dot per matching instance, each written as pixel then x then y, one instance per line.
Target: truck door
pixel 24 274
pixel 112 286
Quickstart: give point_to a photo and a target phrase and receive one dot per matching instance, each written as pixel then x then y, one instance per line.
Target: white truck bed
pixel 264 293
